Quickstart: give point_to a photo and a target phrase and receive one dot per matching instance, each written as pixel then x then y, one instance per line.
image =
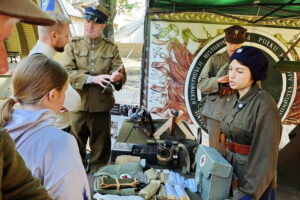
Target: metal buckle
pixel 228 140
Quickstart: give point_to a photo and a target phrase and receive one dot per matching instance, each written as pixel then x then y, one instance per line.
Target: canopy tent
pixel 265 10
pixel 180 35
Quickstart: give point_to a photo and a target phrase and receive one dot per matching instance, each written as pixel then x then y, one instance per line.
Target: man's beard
pixel 59 49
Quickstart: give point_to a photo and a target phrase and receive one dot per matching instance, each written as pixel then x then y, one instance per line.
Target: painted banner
pixel 181 43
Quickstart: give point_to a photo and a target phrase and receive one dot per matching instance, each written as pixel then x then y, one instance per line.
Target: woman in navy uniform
pixel 252 127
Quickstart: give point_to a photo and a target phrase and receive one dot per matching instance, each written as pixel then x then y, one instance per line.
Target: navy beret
pixel 253 58
pixel 96 14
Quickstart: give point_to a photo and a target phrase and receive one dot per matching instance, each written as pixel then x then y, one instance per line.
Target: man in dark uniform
pixel 16 180
pixel 93 63
pixel 213 82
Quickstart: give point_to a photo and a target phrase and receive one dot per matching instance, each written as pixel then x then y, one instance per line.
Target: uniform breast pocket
pixel 81 58
pixel 211 97
pixel 242 131
pixel 106 61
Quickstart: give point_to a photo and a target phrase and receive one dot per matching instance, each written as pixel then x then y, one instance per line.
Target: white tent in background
pixel 74 14
pixel 132 32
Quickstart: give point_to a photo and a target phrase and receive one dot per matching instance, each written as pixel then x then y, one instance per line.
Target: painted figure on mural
pixel 93 63
pixel 252 127
pixel 213 82
pixel 177 59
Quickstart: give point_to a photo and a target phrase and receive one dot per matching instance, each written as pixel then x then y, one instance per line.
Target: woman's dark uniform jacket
pixel 253 120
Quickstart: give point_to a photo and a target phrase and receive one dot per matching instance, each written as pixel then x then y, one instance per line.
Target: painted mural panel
pixel 179 47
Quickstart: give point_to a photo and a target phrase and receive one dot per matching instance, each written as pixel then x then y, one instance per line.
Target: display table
pixel 129 134
pixel 137 136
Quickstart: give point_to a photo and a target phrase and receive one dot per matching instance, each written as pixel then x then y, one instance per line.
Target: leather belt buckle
pixel 228 140
pixel 230 145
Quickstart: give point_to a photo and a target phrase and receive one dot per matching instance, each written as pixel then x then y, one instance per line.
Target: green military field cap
pixel 97 14
pixel 235 34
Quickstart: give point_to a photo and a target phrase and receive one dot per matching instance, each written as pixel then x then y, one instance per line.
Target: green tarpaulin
pixel 266 9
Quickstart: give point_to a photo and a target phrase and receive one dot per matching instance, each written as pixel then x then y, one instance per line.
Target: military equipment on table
pixel 142 120
pixel 213 174
pixel 119 149
pixel 147 152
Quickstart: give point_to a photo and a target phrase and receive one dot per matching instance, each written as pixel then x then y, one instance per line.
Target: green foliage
pixel 123 6
pixel 127 5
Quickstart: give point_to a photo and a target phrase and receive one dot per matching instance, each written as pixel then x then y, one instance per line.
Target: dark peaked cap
pixel 97 14
pixel 26 11
pixel 235 34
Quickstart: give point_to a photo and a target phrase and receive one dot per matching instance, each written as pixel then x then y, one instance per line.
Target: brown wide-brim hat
pixel 25 10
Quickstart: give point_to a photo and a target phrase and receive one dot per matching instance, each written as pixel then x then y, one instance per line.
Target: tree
pixel 113 5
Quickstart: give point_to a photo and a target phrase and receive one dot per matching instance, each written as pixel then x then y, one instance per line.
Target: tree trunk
pixel 110 5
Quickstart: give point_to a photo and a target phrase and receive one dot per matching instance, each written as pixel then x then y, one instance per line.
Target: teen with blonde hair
pixel 39 85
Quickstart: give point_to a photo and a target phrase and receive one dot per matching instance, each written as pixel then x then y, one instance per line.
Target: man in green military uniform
pixel 16 181
pixel 93 63
pixel 213 82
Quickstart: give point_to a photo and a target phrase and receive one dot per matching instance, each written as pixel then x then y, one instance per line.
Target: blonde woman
pixel 39 85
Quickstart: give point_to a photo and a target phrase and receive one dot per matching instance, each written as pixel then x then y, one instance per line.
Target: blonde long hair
pixel 34 77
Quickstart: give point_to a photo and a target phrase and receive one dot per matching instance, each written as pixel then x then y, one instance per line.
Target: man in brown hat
pixel 13 11
pixel 213 82
pixel 93 63
pixel 17 181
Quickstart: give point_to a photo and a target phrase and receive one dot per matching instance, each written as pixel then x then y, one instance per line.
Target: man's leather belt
pixel 238 148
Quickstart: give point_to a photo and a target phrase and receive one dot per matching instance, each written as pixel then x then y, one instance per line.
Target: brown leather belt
pixel 238 148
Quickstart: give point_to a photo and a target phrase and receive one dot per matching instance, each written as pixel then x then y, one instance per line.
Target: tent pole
pixel 275 10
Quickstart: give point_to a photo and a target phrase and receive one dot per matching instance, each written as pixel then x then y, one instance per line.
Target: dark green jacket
pixel 84 57
pixel 16 180
pixel 216 66
pixel 253 120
